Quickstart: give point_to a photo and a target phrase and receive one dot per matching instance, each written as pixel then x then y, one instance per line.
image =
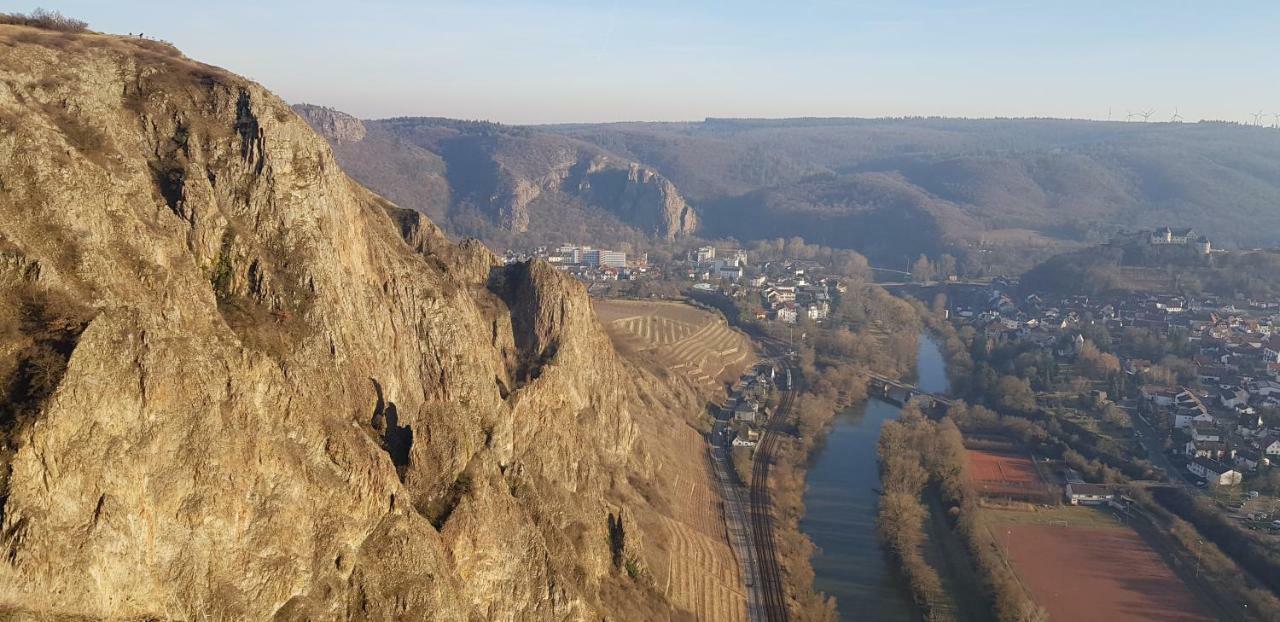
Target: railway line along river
pixel 841 501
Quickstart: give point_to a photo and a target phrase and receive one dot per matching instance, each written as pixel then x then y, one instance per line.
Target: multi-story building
pixel 606 259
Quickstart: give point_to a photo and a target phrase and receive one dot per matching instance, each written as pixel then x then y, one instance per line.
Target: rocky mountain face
pixel 506 174
pixel 236 384
pixel 334 125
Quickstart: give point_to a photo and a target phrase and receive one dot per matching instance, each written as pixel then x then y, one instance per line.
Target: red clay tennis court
pixel 1001 468
pixel 1097 574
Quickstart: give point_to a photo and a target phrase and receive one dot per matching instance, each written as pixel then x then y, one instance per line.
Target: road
pixel 762 573
pixel 1152 441
pixel 741 537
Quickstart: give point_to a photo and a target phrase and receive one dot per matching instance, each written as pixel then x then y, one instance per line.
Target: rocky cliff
pixel 236 384
pixel 334 125
pixel 513 176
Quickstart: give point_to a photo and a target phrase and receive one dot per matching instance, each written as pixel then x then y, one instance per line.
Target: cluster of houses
pixel 704 265
pixel 1217 422
pixel 791 290
pixel 745 409
pixel 786 291
pixel 791 300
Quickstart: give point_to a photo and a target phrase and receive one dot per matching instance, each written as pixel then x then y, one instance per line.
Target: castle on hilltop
pixel 1166 236
pixel 1181 237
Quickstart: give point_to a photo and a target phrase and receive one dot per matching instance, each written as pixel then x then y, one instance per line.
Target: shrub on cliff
pixel 46 19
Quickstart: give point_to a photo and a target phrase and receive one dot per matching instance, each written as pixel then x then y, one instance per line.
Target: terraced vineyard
pixel 694 565
pixel 702 575
pixel 685 339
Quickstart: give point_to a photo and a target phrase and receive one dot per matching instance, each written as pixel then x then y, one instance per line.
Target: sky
pixel 669 60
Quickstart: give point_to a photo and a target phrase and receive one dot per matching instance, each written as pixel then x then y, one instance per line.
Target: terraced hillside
pixel 702 574
pixel 688 340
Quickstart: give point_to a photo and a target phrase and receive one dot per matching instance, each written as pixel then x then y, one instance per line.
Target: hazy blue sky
pixel 573 60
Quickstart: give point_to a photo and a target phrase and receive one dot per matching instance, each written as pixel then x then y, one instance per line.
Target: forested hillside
pixel 1017 188
pixel 999 193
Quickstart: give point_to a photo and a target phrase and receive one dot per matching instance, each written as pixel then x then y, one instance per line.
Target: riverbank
pixel 877 332
pixel 840 504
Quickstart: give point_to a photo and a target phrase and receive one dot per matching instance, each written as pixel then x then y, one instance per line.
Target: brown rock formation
pixel 332 124
pixel 236 383
pixel 503 171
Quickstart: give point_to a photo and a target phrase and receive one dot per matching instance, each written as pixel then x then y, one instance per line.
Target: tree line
pixel 915 453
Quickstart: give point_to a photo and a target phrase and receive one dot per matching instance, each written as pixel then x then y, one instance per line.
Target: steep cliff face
pixel 635 193
pixel 504 171
pixel 334 125
pixel 238 384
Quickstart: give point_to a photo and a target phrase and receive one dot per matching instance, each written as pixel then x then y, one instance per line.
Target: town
pixel 786 290
pixel 1201 374
pixel 1078 400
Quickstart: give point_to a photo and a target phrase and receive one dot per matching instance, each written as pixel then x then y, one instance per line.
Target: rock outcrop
pixel 334 125
pixel 238 385
pixel 504 171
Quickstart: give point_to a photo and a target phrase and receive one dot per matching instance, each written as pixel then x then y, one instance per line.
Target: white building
pixel 1088 494
pixel 1217 473
pixel 817 311
pixel 731 272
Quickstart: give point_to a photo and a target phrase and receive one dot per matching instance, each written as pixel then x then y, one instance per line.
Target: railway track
pixel 770 574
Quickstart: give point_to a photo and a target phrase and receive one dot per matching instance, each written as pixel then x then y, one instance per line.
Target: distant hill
pixel 1002 193
pixel 1132 266
pixel 1023 188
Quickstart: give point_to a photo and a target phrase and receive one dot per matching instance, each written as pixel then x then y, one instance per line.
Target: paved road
pixel 1153 439
pixel 741 538
pixel 765 594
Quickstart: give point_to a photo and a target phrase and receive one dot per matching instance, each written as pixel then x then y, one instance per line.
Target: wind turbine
pixel 1176 118
pixel 1275 119
pixel 1257 118
pixel 1130 115
pixel 1146 115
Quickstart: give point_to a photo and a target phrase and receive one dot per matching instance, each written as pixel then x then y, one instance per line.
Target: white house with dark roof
pixel 1216 473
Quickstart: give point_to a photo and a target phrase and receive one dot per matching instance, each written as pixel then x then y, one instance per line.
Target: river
pixel 840 507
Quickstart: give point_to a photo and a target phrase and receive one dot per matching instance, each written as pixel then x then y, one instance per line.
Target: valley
pixel 272 360
pixel 999 194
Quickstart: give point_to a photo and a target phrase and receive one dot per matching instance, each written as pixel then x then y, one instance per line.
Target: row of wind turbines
pixel 1146 115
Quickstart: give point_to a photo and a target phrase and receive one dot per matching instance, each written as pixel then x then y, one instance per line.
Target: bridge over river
pixel 902 393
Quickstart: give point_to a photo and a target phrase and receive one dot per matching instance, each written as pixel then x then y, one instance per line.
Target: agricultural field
pixel 1082 563
pixel 1006 474
pixel 697 569
pixel 683 338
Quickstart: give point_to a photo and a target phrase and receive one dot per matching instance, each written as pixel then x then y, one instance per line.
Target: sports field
pixel 1097 572
pixel 997 473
